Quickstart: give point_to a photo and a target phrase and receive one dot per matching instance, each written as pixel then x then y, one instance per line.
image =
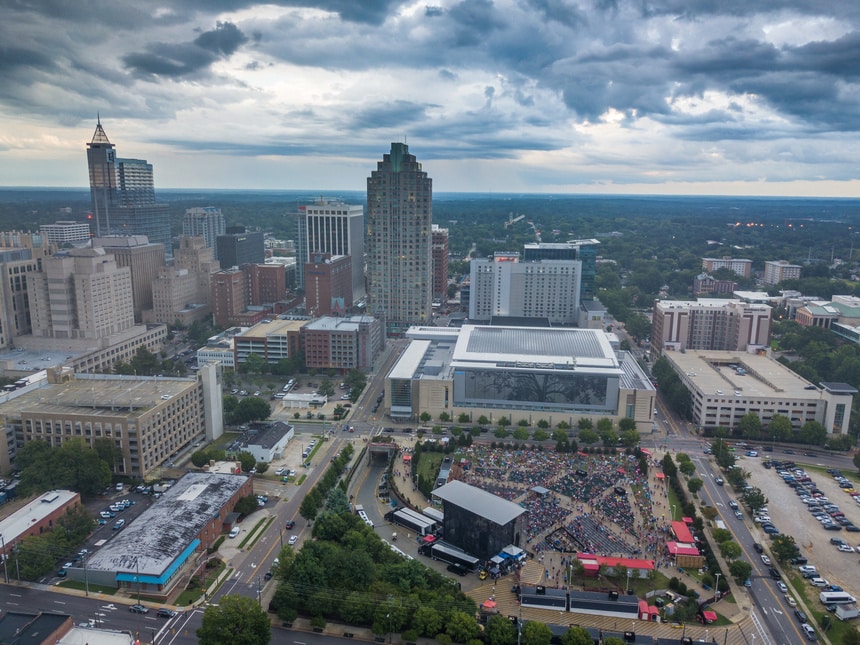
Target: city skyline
pixel 538 96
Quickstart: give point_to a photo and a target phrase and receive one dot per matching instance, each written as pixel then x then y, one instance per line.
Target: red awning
pixel 645 451
pixel 687 520
pixel 660 476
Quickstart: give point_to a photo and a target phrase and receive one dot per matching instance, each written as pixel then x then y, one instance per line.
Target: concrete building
pixel 504 286
pixel 15 265
pixel 181 294
pixel 328 285
pixel 168 541
pixel 727 385
pixel 47 628
pixel 81 293
pixel 740 266
pixel 709 323
pixel 399 241
pixel 123 195
pixel 206 222
pixel 342 343
pixel 776 271
pixel 269 440
pixel 518 373
pixel 148 418
pixel 336 229
pixel 584 251
pixel 440 263
pixel 592 314
pixel 271 340
pixel 37 516
pixel 145 260
pixel 236 249
pixel 220 348
pixel 480 523
pixel 65 232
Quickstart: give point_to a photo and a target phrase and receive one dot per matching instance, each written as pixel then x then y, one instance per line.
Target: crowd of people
pixel 601 504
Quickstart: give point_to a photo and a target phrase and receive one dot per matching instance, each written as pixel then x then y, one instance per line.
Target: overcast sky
pixel 756 97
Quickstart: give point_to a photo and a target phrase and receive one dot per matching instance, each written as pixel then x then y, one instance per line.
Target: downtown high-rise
pixel 123 195
pixel 399 241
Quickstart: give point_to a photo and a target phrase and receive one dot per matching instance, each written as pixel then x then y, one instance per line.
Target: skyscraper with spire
pixel 399 241
pixel 123 194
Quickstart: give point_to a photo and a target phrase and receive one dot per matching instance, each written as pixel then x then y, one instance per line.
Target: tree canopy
pixel 236 620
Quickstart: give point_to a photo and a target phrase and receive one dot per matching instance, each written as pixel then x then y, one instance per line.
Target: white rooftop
pixel 17 523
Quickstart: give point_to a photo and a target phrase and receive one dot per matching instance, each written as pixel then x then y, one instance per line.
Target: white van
pixel 235 531
pixel 807 568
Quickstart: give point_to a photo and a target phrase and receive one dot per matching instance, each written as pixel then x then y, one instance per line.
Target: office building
pixel 399 241
pixel 267 284
pixel 81 293
pixel 342 343
pixel 585 251
pixel 123 195
pixel 38 516
pixel 776 271
pixel 328 285
pixel 228 296
pixel 206 222
pixel 727 385
pixel 741 267
pixel 501 285
pixel 181 293
pixel 236 249
pixel 145 260
pixel 65 232
pixel 336 229
pixel 15 265
pixel 709 323
pixel 518 373
pixel 149 419
pixel 440 264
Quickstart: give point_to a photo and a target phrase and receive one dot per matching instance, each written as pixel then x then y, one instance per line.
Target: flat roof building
pixel 38 515
pixel 776 271
pixel 156 550
pixel 268 440
pixel 726 385
pixel 342 343
pixel 518 372
pixel 271 340
pixel 740 266
pixel 148 418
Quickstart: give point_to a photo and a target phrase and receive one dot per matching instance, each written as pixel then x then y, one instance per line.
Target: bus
pixel 412 520
pixel 836 598
pixel 452 555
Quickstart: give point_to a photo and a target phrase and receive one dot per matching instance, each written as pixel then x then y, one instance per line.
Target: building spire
pixel 99 135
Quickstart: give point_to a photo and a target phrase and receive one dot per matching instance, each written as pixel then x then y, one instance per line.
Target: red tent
pixel 709 616
pixel 660 476
pixel 645 451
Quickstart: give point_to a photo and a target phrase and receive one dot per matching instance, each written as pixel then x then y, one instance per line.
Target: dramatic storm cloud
pixel 686 96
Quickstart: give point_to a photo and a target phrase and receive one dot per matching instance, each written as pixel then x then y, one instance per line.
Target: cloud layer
pixel 523 95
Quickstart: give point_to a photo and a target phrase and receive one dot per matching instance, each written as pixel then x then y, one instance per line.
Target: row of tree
pixel 74 465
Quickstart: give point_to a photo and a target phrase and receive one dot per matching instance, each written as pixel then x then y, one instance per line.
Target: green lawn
pixel 94 589
pixel 809 594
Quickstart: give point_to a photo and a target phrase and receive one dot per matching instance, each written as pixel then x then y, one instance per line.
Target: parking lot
pixel 793 517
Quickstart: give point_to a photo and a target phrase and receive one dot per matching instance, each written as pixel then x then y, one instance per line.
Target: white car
pixel 845 548
pixel 765 559
pixel 293 539
pixel 781 586
pixel 280 471
pixel 819 582
pixel 791 601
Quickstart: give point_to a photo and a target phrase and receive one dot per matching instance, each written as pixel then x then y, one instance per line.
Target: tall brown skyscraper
pixel 399 241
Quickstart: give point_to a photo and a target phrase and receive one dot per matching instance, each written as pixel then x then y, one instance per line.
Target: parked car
pixel 293 539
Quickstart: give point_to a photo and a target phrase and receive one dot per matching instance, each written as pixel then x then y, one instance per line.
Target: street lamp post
pixel 673 512
pixel 718 585
pixel 5 558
